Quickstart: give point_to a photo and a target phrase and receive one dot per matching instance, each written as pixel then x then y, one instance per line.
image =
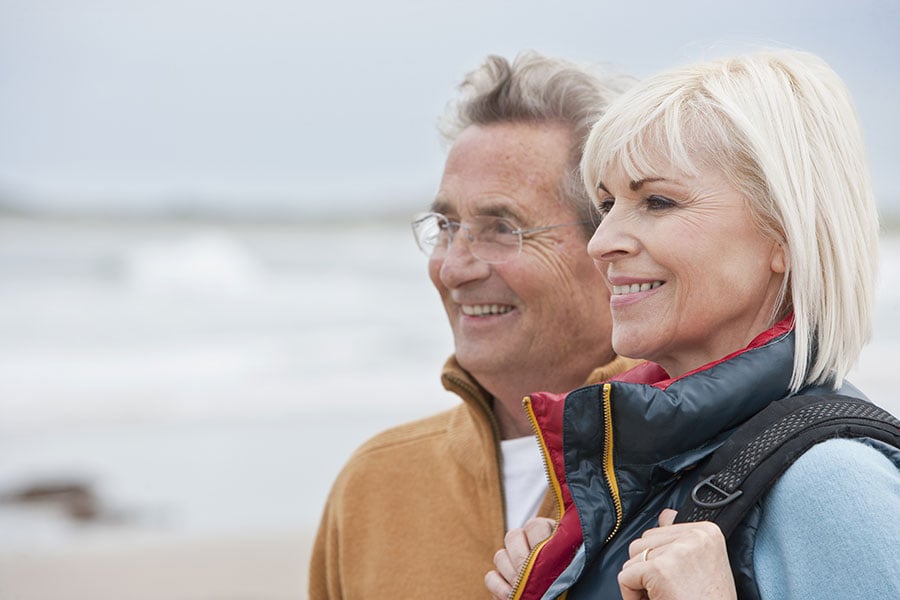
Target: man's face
pixel 548 308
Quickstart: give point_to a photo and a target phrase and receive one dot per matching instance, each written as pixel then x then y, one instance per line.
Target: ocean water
pixel 203 378
pixel 212 378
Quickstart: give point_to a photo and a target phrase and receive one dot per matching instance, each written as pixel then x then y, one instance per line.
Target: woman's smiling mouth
pixel 620 290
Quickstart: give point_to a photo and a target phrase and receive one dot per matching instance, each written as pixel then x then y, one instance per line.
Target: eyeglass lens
pixel 491 239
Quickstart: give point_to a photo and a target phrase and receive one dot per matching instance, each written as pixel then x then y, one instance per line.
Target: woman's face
pixel 692 278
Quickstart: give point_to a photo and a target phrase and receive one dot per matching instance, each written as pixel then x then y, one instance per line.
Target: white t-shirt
pixel 524 479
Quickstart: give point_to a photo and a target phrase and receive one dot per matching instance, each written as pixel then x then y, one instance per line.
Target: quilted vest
pixel 618 453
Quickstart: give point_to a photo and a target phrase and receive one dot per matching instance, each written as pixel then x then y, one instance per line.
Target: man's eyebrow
pixel 499 210
pixel 439 206
pixel 502 210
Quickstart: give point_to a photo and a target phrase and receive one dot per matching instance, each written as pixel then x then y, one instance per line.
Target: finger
pixel 504 566
pixel 630 580
pixel 652 538
pixel 667 517
pixel 660 536
pixel 517 546
pixel 642 557
pixel 537 530
pixel 497 585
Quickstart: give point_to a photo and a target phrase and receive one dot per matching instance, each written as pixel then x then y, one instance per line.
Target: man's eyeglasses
pixel 491 239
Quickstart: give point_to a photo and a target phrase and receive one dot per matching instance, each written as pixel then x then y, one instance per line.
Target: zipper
pixel 608 472
pixel 553 484
pixel 608 466
pixel 549 473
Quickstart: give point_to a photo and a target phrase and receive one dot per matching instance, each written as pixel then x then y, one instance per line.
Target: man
pixel 420 509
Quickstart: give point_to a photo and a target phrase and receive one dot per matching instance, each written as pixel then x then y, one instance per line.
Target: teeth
pixel 478 310
pixel 634 288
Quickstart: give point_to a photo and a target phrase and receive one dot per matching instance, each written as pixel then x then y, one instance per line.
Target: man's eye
pixel 504 227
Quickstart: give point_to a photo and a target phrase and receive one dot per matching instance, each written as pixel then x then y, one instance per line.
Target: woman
pixel 738 236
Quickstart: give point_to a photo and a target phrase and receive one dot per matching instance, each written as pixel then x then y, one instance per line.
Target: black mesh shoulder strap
pixel 759 451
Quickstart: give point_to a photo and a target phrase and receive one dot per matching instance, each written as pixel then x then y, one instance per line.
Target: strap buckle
pixel 707 483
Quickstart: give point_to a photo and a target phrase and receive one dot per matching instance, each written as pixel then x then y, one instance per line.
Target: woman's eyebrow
pixel 636 185
pixel 633 185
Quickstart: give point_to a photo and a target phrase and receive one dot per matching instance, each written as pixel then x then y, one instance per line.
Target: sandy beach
pixel 246 567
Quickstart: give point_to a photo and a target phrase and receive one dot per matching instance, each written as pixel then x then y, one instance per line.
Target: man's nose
pixel 459 265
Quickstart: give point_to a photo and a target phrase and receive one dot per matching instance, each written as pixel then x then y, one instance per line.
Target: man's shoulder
pixel 411 432
pixel 406 436
pixel 391 455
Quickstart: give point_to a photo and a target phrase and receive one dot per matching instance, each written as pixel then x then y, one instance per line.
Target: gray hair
pixel 538 89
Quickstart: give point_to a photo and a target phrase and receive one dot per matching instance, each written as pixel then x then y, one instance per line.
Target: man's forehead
pixel 493 206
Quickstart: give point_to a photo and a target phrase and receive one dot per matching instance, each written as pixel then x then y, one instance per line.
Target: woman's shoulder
pixel 851 477
pixel 829 525
pixel 838 466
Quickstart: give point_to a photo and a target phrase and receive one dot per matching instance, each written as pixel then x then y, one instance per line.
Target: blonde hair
pixel 781 126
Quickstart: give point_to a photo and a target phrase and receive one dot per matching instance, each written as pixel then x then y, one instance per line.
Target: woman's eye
pixel 601 209
pixel 604 206
pixel 659 203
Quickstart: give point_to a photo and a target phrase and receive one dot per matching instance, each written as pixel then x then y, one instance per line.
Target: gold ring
pixel 644 554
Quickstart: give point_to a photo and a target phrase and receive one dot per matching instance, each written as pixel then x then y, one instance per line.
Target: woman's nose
pixel 614 238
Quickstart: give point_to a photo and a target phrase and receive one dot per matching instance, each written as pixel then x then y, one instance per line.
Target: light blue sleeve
pixel 831 527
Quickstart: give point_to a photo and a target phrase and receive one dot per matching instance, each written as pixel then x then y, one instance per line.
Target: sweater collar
pixel 456 379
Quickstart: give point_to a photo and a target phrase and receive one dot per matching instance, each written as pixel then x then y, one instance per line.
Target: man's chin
pixel 480 362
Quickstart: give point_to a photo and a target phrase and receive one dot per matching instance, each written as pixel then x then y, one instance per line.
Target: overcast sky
pixel 121 104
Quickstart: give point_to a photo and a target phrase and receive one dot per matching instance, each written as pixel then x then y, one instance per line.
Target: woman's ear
pixel 779 259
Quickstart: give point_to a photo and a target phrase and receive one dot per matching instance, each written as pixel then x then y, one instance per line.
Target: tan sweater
pixel 417 511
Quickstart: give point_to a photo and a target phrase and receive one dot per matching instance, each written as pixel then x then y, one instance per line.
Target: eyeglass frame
pixel 460 225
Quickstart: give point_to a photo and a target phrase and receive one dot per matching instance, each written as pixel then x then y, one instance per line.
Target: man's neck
pixel 509 389
pixel 508 396
pixel 511 418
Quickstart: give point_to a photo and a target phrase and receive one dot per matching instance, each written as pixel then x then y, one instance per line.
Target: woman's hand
pixel 687 561
pixel 510 560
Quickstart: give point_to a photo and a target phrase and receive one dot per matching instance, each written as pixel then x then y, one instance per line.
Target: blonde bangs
pixel 675 126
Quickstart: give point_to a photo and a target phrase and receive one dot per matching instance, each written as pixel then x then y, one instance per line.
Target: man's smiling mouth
pixel 480 310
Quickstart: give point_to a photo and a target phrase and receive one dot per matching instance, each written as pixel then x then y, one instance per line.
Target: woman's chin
pixel 632 346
